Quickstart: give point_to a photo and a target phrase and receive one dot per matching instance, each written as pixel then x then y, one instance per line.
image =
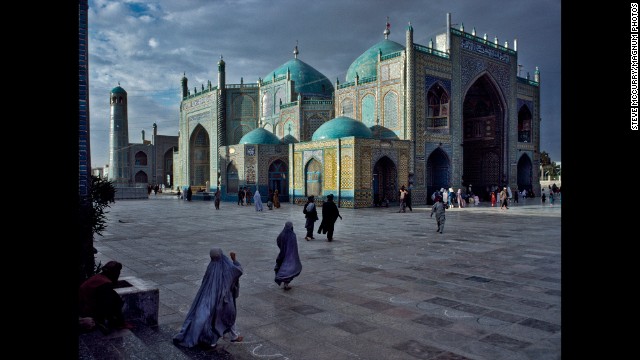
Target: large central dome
pixel 307 79
pixel 365 64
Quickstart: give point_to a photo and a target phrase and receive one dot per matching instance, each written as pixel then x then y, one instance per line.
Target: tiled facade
pixel 446 142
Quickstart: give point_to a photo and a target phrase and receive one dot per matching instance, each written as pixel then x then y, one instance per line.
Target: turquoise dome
pixel 307 79
pixel 289 139
pixel 340 127
pixel 259 136
pixel 118 89
pixel 365 64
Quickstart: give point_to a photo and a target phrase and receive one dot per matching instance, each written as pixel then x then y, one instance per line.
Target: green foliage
pixel 102 193
pixel 549 168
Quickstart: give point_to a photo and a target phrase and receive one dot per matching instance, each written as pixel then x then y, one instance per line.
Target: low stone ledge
pixel 141 299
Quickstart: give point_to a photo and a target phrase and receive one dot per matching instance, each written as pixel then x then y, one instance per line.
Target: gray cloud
pixel 147 46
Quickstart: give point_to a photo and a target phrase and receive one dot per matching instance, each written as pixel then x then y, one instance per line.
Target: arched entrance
pixel 199 157
pixel 278 174
pixel 483 141
pixel 525 173
pixel 313 178
pixel 438 170
pixel 385 178
pixel 232 179
pixel 167 170
pixel 141 178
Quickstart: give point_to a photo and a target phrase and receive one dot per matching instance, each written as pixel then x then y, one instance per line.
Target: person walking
pixel 189 193
pixel 276 199
pixel 330 214
pixel 311 215
pixel 460 199
pixel 270 200
pixel 493 199
pixel 407 197
pixel 257 200
pixel 515 196
pixel 504 198
pixel 241 197
pixel 216 199
pixel 288 265
pixel 551 198
pixel 213 311
pixel 403 202
pixel 438 208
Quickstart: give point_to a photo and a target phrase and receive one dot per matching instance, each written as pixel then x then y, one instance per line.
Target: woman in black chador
pixel 330 214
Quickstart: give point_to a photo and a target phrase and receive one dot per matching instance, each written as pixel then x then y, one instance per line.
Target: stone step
pixel 142 342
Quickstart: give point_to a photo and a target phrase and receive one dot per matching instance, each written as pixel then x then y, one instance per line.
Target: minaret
pixel 222 123
pixel 119 163
pixel 536 75
pixel 185 89
pixel 410 101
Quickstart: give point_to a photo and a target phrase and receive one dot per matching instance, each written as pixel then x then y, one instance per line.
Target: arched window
pixel 524 124
pixel 267 104
pixel 390 120
pixel 279 98
pixel 243 107
pixel 141 158
pixel 368 110
pixel 438 107
pixel 313 178
pixel 347 107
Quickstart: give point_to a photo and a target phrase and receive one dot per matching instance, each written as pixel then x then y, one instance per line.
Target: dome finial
pixel 118 83
pixel 295 50
pixel 387 30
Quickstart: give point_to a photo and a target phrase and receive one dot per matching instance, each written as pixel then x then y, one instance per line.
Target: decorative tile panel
pixel 329 169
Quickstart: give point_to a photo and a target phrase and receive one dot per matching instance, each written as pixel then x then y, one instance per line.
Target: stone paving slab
pixel 387 287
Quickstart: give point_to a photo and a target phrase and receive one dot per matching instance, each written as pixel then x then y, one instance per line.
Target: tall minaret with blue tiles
pixel 119 162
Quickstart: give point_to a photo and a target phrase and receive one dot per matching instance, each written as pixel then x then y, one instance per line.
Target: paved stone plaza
pixel 387 287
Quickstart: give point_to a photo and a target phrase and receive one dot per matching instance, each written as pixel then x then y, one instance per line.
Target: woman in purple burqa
pixel 213 311
pixel 288 264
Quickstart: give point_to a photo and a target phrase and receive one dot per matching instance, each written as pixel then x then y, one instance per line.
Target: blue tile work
pixel 429 81
pixel 522 102
pixel 84 149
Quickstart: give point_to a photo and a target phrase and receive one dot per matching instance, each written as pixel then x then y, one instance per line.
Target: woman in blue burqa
pixel 213 311
pixel 288 264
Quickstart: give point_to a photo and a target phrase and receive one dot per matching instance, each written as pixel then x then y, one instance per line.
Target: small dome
pixel 365 64
pixel 259 136
pixel 117 90
pixel 289 139
pixel 340 127
pixel 307 79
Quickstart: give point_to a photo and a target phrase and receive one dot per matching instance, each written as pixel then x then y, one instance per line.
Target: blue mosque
pixel 451 113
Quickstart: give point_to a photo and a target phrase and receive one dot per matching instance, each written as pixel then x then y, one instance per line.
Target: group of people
pixel 214 310
pixel 330 214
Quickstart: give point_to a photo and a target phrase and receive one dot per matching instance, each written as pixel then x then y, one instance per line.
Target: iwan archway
pixel 484 129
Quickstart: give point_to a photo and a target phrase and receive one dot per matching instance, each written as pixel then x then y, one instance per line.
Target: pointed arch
pixel 438 172
pixel 390 110
pixel 385 179
pixel 243 107
pixel 232 178
pixel 140 158
pixel 346 107
pixel 199 150
pixel 141 177
pixel 525 173
pixel 279 99
pixel 313 178
pixel 484 131
pixel 524 124
pixel 437 107
pixel 167 176
pixel 368 110
pixel 267 104
pixel 278 178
